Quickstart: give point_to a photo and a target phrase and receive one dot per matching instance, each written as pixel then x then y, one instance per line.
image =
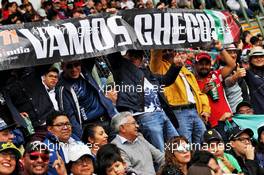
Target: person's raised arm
pixel 230 62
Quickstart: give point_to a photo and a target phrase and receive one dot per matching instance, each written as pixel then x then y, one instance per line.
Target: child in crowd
pixel 110 162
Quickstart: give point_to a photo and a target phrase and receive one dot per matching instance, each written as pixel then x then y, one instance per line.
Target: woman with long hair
pixel 177 156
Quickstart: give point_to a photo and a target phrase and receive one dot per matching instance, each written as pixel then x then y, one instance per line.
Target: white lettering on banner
pixel 143 32
pixel 176 29
pixel 56 34
pixel 166 29
pixel 75 43
pixel 86 36
pixel 105 41
pixel 193 34
pixel 119 30
pixel 195 29
pixel 17 51
pixel 86 33
pixel 41 51
pixel 204 27
pixel 213 27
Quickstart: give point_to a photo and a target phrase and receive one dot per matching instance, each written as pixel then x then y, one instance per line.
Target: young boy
pixel 110 162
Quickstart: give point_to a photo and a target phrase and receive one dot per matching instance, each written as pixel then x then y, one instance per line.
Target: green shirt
pixel 232 160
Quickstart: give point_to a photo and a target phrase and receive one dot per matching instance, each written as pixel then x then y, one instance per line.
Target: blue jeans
pixel 156 128
pixel 190 125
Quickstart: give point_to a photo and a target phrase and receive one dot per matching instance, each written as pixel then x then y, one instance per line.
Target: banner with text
pixel 39 43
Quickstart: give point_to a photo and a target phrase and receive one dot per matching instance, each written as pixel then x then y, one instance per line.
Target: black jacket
pixel 127 76
pixel 68 100
pixel 28 94
pixel 249 167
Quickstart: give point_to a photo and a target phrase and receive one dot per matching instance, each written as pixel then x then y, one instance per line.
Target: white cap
pixel 257 51
pixel 42 13
pixel 77 150
pixel 231 47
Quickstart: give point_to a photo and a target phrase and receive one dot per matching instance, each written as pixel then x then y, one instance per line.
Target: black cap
pixel 237 131
pixel 37 146
pixel 212 135
pixel 260 130
pixel 243 103
pixel 6 118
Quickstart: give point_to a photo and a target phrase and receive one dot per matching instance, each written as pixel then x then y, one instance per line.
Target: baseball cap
pixel 212 135
pixel 4 146
pixel 256 51
pixel 243 103
pixel 37 146
pixel 77 150
pixel 231 47
pixel 42 13
pixel 237 131
pixel 201 56
pixel 79 4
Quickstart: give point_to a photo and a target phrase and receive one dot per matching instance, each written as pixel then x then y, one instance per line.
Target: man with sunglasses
pixel 243 150
pixel 81 98
pixel 36 159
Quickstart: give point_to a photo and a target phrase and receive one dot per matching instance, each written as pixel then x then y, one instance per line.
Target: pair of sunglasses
pixel 36 155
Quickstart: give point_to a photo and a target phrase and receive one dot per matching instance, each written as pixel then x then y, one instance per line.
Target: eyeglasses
pixel 244 139
pixel 62 125
pixel 35 155
pixel 72 65
pixel 183 148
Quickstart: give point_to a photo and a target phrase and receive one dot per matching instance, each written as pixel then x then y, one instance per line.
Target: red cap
pixel 79 4
pixel 201 56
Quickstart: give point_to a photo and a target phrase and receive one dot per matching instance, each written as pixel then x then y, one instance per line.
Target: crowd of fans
pixel 154 112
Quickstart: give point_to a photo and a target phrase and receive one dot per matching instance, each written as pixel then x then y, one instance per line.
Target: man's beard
pixel 203 73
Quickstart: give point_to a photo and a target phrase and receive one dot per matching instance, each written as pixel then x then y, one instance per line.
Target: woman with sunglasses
pixel 177 156
pixel 9 156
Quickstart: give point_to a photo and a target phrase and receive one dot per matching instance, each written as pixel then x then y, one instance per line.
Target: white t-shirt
pixel 188 89
pixel 152 102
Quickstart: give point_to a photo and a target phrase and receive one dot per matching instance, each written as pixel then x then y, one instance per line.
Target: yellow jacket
pixel 176 93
